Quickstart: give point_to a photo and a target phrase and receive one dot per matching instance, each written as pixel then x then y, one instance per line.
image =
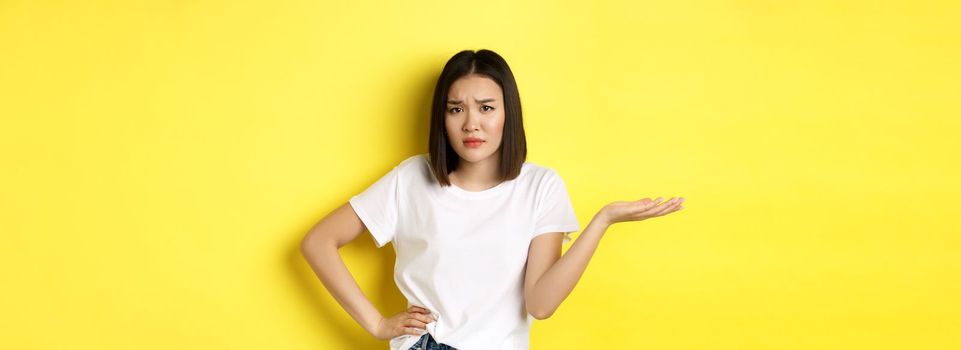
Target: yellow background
pixel 161 161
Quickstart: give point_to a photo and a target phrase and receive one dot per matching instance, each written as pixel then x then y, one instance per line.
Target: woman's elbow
pixel 311 242
pixel 540 314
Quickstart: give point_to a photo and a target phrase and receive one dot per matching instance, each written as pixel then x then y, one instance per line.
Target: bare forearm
pixel 327 264
pixel 559 280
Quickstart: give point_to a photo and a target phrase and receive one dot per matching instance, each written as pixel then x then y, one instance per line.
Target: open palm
pixel 638 210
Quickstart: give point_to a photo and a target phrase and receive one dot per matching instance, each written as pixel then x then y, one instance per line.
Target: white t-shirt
pixel 462 254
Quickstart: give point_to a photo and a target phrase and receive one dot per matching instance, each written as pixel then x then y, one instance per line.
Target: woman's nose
pixel 470 123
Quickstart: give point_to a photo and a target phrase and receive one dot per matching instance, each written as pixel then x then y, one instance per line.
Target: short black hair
pixel 513 149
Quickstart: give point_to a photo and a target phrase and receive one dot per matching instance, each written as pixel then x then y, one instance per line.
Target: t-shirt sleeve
pixel 377 206
pixel 554 211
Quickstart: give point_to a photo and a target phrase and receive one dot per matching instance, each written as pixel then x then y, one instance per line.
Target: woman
pixel 477 230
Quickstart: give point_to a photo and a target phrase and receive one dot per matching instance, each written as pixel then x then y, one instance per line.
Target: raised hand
pixel 642 209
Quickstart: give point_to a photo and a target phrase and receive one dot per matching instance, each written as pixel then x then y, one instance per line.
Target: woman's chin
pixel 474 155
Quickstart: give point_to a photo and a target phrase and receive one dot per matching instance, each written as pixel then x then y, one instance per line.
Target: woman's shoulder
pixel 412 161
pixel 538 171
pixel 420 158
pixel 415 166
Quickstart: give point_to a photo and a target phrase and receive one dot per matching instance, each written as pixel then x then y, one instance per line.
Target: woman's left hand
pixel 642 209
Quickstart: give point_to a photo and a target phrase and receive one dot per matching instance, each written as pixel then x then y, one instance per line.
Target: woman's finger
pixel 414 331
pixel 419 309
pixel 659 205
pixel 423 318
pixel 662 209
pixel 670 208
pixel 413 322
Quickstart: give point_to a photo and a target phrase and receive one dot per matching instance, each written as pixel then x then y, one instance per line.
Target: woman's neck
pixel 477 176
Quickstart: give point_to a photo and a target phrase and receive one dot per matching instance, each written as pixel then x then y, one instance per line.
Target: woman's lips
pixel 471 143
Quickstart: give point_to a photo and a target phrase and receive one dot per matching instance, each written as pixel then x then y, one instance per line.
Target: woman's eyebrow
pixel 457 102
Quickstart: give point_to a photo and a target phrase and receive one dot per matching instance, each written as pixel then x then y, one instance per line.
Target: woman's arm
pixel 320 248
pixel 550 278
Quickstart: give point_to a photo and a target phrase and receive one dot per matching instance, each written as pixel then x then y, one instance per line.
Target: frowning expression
pixel 474 118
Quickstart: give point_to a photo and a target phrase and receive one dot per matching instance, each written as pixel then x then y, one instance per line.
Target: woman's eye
pixel 491 108
pixel 452 109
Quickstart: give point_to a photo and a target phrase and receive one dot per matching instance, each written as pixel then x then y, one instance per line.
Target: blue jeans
pixel 427 342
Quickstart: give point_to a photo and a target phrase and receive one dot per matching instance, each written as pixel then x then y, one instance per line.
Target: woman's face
pixel 475 109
